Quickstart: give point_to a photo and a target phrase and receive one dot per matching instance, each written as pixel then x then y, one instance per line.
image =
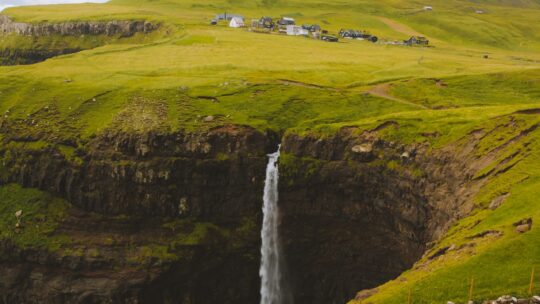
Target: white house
pixel 294 30
pixel 237 22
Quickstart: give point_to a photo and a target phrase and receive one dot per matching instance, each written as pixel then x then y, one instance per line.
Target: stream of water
pixel 272 291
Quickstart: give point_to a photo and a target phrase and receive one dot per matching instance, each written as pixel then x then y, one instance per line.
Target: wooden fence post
pixel 471 289
pixel 531 283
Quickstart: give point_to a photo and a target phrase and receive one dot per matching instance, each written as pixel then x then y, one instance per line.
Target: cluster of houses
pixel 288 26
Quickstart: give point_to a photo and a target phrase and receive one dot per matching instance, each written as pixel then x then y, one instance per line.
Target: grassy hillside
pixel 485 246
pixel 188 70
pixel 190 61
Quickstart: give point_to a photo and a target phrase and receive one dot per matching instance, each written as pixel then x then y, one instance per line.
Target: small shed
pixel 227 17
pixel 416 40
pixel 237 22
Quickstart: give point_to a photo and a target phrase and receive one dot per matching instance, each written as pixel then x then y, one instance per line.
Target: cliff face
pixel 186 231
pixel 9 56
pixel 203 175
pixel 356 211
pixel 50 45
pixel 110 28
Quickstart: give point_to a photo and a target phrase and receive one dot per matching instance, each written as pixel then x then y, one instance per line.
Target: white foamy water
pixel 9 3
pixel 272 291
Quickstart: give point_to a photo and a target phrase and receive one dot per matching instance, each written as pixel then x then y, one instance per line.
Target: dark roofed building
pixel 417 40
pixel 227 16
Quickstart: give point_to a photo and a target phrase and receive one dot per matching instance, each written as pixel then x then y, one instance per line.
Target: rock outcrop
pixel 9 56
pixel 124 28
pixel 204 175
pixel 114 29
pixel 157 218
pixel 357 213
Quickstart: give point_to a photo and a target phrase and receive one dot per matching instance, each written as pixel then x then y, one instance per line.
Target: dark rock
pixel 440 252
pixel 147 175
pixel 523 228
pixel 363 148
pixel 343 190
pixel 523 225
pixel 125 28
pixel 486 233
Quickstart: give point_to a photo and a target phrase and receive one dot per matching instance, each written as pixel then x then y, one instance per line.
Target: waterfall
pixel 271 272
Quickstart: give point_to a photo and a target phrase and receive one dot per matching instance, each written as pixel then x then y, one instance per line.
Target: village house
pixel 416 40
pixel 360 35
pixel 295 30
pixel 284 21
pixel 312 27
pixel 237 22
pixel 262 25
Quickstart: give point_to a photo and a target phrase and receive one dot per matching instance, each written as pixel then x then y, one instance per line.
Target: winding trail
pixel 400 27
pixel 404 29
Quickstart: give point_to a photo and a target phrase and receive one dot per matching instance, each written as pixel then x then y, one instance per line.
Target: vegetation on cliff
pixel 480 81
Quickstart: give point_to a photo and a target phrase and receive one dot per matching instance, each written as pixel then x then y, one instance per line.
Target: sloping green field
pixel 188 70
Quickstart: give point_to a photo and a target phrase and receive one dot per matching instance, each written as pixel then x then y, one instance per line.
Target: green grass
pixel 41 214
pixel 172 79
pixel 472 90
pixel 499 265
pixel 113 85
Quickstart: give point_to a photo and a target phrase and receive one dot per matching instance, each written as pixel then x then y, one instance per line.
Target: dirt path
pixel 381 90
pixel 305 85
pixel 400 27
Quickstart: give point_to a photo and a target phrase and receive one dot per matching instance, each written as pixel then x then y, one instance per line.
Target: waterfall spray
pixel 272 291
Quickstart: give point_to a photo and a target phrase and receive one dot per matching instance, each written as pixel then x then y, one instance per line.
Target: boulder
pixel 363 148
pixel 524 225
pixel 523 228
pixel 506 299
pixel 209 118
